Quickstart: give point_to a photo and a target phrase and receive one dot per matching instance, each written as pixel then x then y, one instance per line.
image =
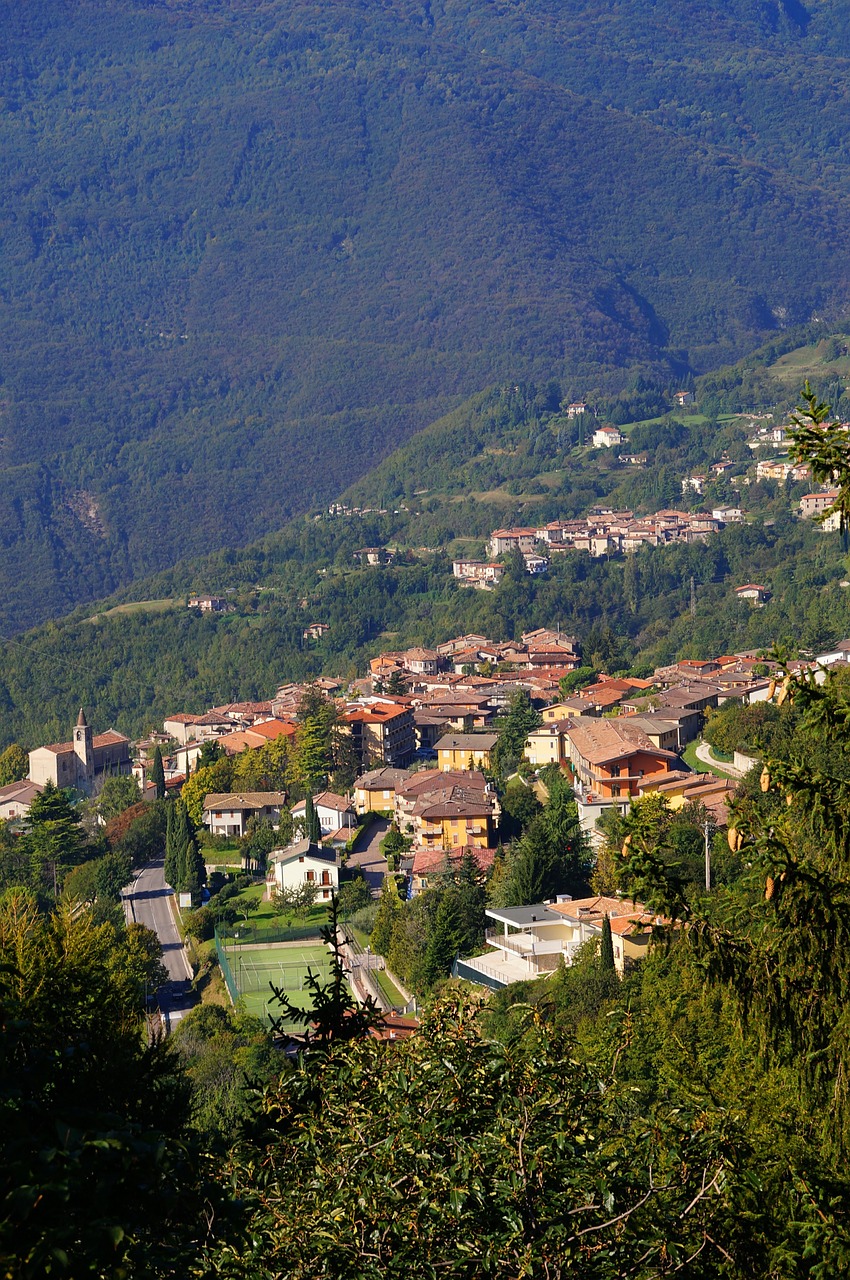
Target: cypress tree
pixel 311 821
pixel 606 948
pixel 170 870
pixel 157 775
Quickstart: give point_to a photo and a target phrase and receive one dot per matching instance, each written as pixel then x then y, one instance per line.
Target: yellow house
pixel 453 823
pixel 465 751
pixel 545 745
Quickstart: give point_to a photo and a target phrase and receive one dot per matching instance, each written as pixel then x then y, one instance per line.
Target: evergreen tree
pixel 388 908
pixel 606 946
pixel 312 826
pixel 158 773
pixel 513 731
pixel 170 868
pixel 447 936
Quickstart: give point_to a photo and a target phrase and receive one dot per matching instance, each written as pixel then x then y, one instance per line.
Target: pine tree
pixel 606 946
pixel 445 941
pixel 158 774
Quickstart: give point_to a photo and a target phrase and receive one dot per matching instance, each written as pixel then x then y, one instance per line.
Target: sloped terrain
pixel 249 249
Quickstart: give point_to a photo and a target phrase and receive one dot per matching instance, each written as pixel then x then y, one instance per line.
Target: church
pixel 83 762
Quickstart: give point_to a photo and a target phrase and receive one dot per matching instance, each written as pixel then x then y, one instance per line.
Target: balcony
pixel 525 944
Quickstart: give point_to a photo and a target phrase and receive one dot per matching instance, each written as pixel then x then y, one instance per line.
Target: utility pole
pixel 707 826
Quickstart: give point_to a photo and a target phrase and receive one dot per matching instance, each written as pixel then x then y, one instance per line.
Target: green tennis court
pixel 253 968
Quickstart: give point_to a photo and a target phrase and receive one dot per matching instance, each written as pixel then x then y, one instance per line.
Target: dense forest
pixel 249 249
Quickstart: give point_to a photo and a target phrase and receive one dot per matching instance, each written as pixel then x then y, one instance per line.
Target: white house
pixel 304 863
pixel 227 814
pixel 606 437
pixel 334 812
pixel 16 798
pixel 528 942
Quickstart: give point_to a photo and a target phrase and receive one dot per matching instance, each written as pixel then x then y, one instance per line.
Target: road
pixel 703 753
pixel 148 901
pixel 368 857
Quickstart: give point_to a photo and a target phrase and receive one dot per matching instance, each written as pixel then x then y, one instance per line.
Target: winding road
pixel 148 901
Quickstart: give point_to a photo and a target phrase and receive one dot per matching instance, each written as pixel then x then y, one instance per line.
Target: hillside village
pixel 422 729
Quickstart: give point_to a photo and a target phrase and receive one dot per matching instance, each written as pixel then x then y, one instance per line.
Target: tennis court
pixel 253 968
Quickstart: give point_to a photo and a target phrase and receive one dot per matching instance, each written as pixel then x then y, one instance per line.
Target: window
pixel 326 893
pixel 311 875
pixel 326 877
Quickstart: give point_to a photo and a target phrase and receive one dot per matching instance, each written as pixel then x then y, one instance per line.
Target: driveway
pixel 367 855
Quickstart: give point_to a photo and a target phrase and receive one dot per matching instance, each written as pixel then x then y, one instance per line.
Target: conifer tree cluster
pixel 184 865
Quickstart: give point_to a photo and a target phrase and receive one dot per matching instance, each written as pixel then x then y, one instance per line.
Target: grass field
pixel 286 967
pixel 388 989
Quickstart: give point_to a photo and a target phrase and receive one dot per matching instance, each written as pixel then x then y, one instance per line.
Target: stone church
pixel 83 762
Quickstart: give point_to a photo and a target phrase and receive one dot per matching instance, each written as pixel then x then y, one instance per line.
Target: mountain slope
pixel 248 249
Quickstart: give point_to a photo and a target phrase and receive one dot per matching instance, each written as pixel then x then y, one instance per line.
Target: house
pixel 83 762
pixel 430 864
pixel 545 745
pixel 335 813
pixel 576 409
pixel 607 437
pixel 815 504
pixel 207 604
pixel 453 817
pixel 304 863
pixel 682 398
pixel 316 630
pixel 694 484
pixel 419 661
pixel 479 573
pixel 16 798
pixel 752 592
pixel 529 942
pixel 505 540
pixel 727 515
pixel 609 758
pixel 375 791
pixel 227 814
pixel 465 751
pixel 425 782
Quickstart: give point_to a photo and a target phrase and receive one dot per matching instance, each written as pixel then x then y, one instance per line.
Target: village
pixel 423 727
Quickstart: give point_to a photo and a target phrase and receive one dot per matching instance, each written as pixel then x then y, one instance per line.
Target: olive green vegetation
pixel 249 249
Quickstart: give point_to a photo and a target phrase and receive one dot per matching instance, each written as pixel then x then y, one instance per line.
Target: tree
pixel 389 906
pixel 333 1016
pixel 213 778
pixel 14 764
pixel 606 946
pixel 312 827
pixel 119 792
pixel 520 720
pixel 55 840
pixel 157 775
pixel 453 1188
pixel 95 1175
pixel 354 894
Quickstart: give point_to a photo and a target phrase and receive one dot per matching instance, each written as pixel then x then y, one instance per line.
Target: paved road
pixel 703 753
pixel 148 901
pixel 367 855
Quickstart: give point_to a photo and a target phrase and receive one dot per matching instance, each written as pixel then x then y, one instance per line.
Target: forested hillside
pixel 246 250
pixel 143 655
